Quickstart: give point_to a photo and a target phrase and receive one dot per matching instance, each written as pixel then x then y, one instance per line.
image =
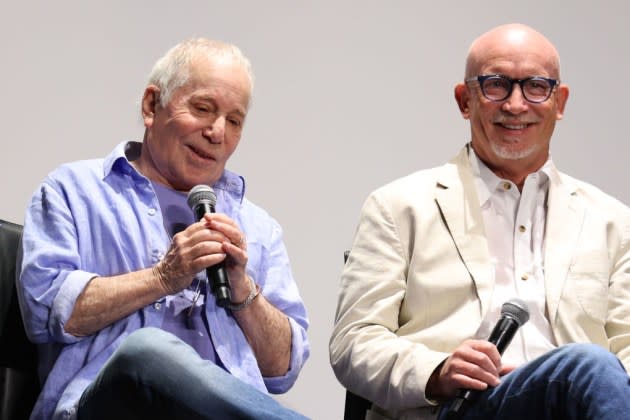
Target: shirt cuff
pixel 63 304
pixel 299 353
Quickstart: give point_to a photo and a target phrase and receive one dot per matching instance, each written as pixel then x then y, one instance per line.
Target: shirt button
pixel 151 212
pixel 507 185
pixel 522 228
pixel 157 306
pixel 524 277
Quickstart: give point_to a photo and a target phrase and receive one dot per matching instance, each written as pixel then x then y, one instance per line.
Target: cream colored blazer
pixel 419 281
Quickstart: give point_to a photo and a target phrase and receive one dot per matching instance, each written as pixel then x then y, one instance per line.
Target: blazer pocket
pixel 591 289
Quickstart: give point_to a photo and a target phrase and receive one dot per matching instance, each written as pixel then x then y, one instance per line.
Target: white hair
pixel 173 70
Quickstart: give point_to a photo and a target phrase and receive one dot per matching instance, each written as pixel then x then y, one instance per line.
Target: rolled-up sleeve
pixel 50 281
pixel 299 354
pixel 281 290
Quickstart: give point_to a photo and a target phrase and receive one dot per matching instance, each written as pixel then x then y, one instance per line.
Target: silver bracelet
pixel 253 294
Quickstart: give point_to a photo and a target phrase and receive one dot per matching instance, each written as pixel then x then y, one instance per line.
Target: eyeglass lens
pixel 499 88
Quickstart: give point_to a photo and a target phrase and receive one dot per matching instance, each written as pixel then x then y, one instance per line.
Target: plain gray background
pixel 349 95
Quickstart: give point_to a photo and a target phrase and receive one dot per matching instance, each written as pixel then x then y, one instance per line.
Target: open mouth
pixel 519 126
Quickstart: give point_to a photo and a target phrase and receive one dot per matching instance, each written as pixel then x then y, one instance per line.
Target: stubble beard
pixel 508 149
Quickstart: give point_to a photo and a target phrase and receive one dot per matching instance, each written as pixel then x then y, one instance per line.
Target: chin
pixel 512 151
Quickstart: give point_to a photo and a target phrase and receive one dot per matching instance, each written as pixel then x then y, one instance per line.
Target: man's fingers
pixel 481 353
pixel 466 382
pixel 482 371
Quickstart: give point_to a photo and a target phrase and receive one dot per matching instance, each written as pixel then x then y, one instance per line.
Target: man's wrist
pixel 253 294
pixel 432 390
pixel 157 272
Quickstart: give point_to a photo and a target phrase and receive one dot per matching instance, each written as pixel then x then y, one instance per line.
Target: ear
pixel 150 102
pixel 462 97
pixel 562 95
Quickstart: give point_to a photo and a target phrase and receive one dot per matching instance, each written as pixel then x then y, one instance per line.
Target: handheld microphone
pixel 202 199
pixel 514 313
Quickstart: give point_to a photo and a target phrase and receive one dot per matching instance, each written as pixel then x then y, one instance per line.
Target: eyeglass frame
pixel 482 78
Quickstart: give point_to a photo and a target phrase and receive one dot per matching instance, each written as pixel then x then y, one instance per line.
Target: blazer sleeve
pixel 366 354
pixel 618 316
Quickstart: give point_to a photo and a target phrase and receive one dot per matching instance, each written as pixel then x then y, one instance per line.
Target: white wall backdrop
pixel 349 95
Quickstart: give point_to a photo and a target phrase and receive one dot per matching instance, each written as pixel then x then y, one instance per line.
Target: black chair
pixel 19 385
pixel 356 407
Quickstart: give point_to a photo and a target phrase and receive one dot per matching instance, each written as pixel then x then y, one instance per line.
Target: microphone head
pixel 201 194
pixel 516 309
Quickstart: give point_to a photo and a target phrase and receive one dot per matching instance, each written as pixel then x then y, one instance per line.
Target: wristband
pixel 253 294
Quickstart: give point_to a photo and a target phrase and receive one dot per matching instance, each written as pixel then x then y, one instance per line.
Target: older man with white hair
pixel 113 285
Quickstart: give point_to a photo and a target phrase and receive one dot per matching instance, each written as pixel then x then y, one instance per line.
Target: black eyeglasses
pixel 496 87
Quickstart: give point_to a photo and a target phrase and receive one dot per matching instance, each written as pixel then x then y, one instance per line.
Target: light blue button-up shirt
pixel 102 218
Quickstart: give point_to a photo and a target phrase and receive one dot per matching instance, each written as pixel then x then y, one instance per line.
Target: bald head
pixel 508 40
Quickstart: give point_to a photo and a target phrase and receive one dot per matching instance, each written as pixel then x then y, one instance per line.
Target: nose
pixel 516 102
pixel 216 131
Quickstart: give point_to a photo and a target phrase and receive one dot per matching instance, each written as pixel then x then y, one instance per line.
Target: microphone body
pixel 514 313
pixel 202 200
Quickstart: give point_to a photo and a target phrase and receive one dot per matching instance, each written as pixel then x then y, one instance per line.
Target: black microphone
pixel 514 313
pixel 202 199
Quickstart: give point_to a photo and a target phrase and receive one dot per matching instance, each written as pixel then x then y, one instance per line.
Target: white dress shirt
pixel 515 227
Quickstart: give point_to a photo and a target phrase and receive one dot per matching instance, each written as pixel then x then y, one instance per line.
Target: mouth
pixel 201 153
pixel 516 127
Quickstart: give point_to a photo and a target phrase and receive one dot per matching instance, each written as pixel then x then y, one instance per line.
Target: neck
pixel 515 170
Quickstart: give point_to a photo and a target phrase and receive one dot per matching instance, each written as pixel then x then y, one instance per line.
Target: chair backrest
pixel 19 385
pixel 356 407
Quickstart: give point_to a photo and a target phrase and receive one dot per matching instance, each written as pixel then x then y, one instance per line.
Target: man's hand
pixel 234 247
pixel 201 245
pixel 475 364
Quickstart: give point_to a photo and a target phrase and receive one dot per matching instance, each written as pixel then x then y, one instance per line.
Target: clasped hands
pixel 475 364
pixel 213 239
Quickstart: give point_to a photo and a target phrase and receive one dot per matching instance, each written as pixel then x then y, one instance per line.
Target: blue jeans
pixel 576 381
pixel 155 375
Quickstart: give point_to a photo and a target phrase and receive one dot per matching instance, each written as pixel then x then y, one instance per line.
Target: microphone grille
pixel 201 194
pixel 516 309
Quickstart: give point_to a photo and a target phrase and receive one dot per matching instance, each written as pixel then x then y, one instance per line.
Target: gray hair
pixel 173 70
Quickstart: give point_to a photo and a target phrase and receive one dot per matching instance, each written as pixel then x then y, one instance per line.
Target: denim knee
pixel 581 361
pixel 143 347
pixel 588 354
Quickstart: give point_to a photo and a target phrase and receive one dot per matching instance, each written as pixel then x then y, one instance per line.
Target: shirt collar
pixel 487 181
pixel 233 184
pixel 119 160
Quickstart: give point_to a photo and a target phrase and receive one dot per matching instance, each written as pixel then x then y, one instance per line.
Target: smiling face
pixel 189 140
pixel 511 136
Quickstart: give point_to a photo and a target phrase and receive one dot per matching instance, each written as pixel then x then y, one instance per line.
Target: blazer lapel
pixel 565 216
pixel 456 196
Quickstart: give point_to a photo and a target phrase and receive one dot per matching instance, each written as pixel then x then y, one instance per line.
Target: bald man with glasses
pixel 438 253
